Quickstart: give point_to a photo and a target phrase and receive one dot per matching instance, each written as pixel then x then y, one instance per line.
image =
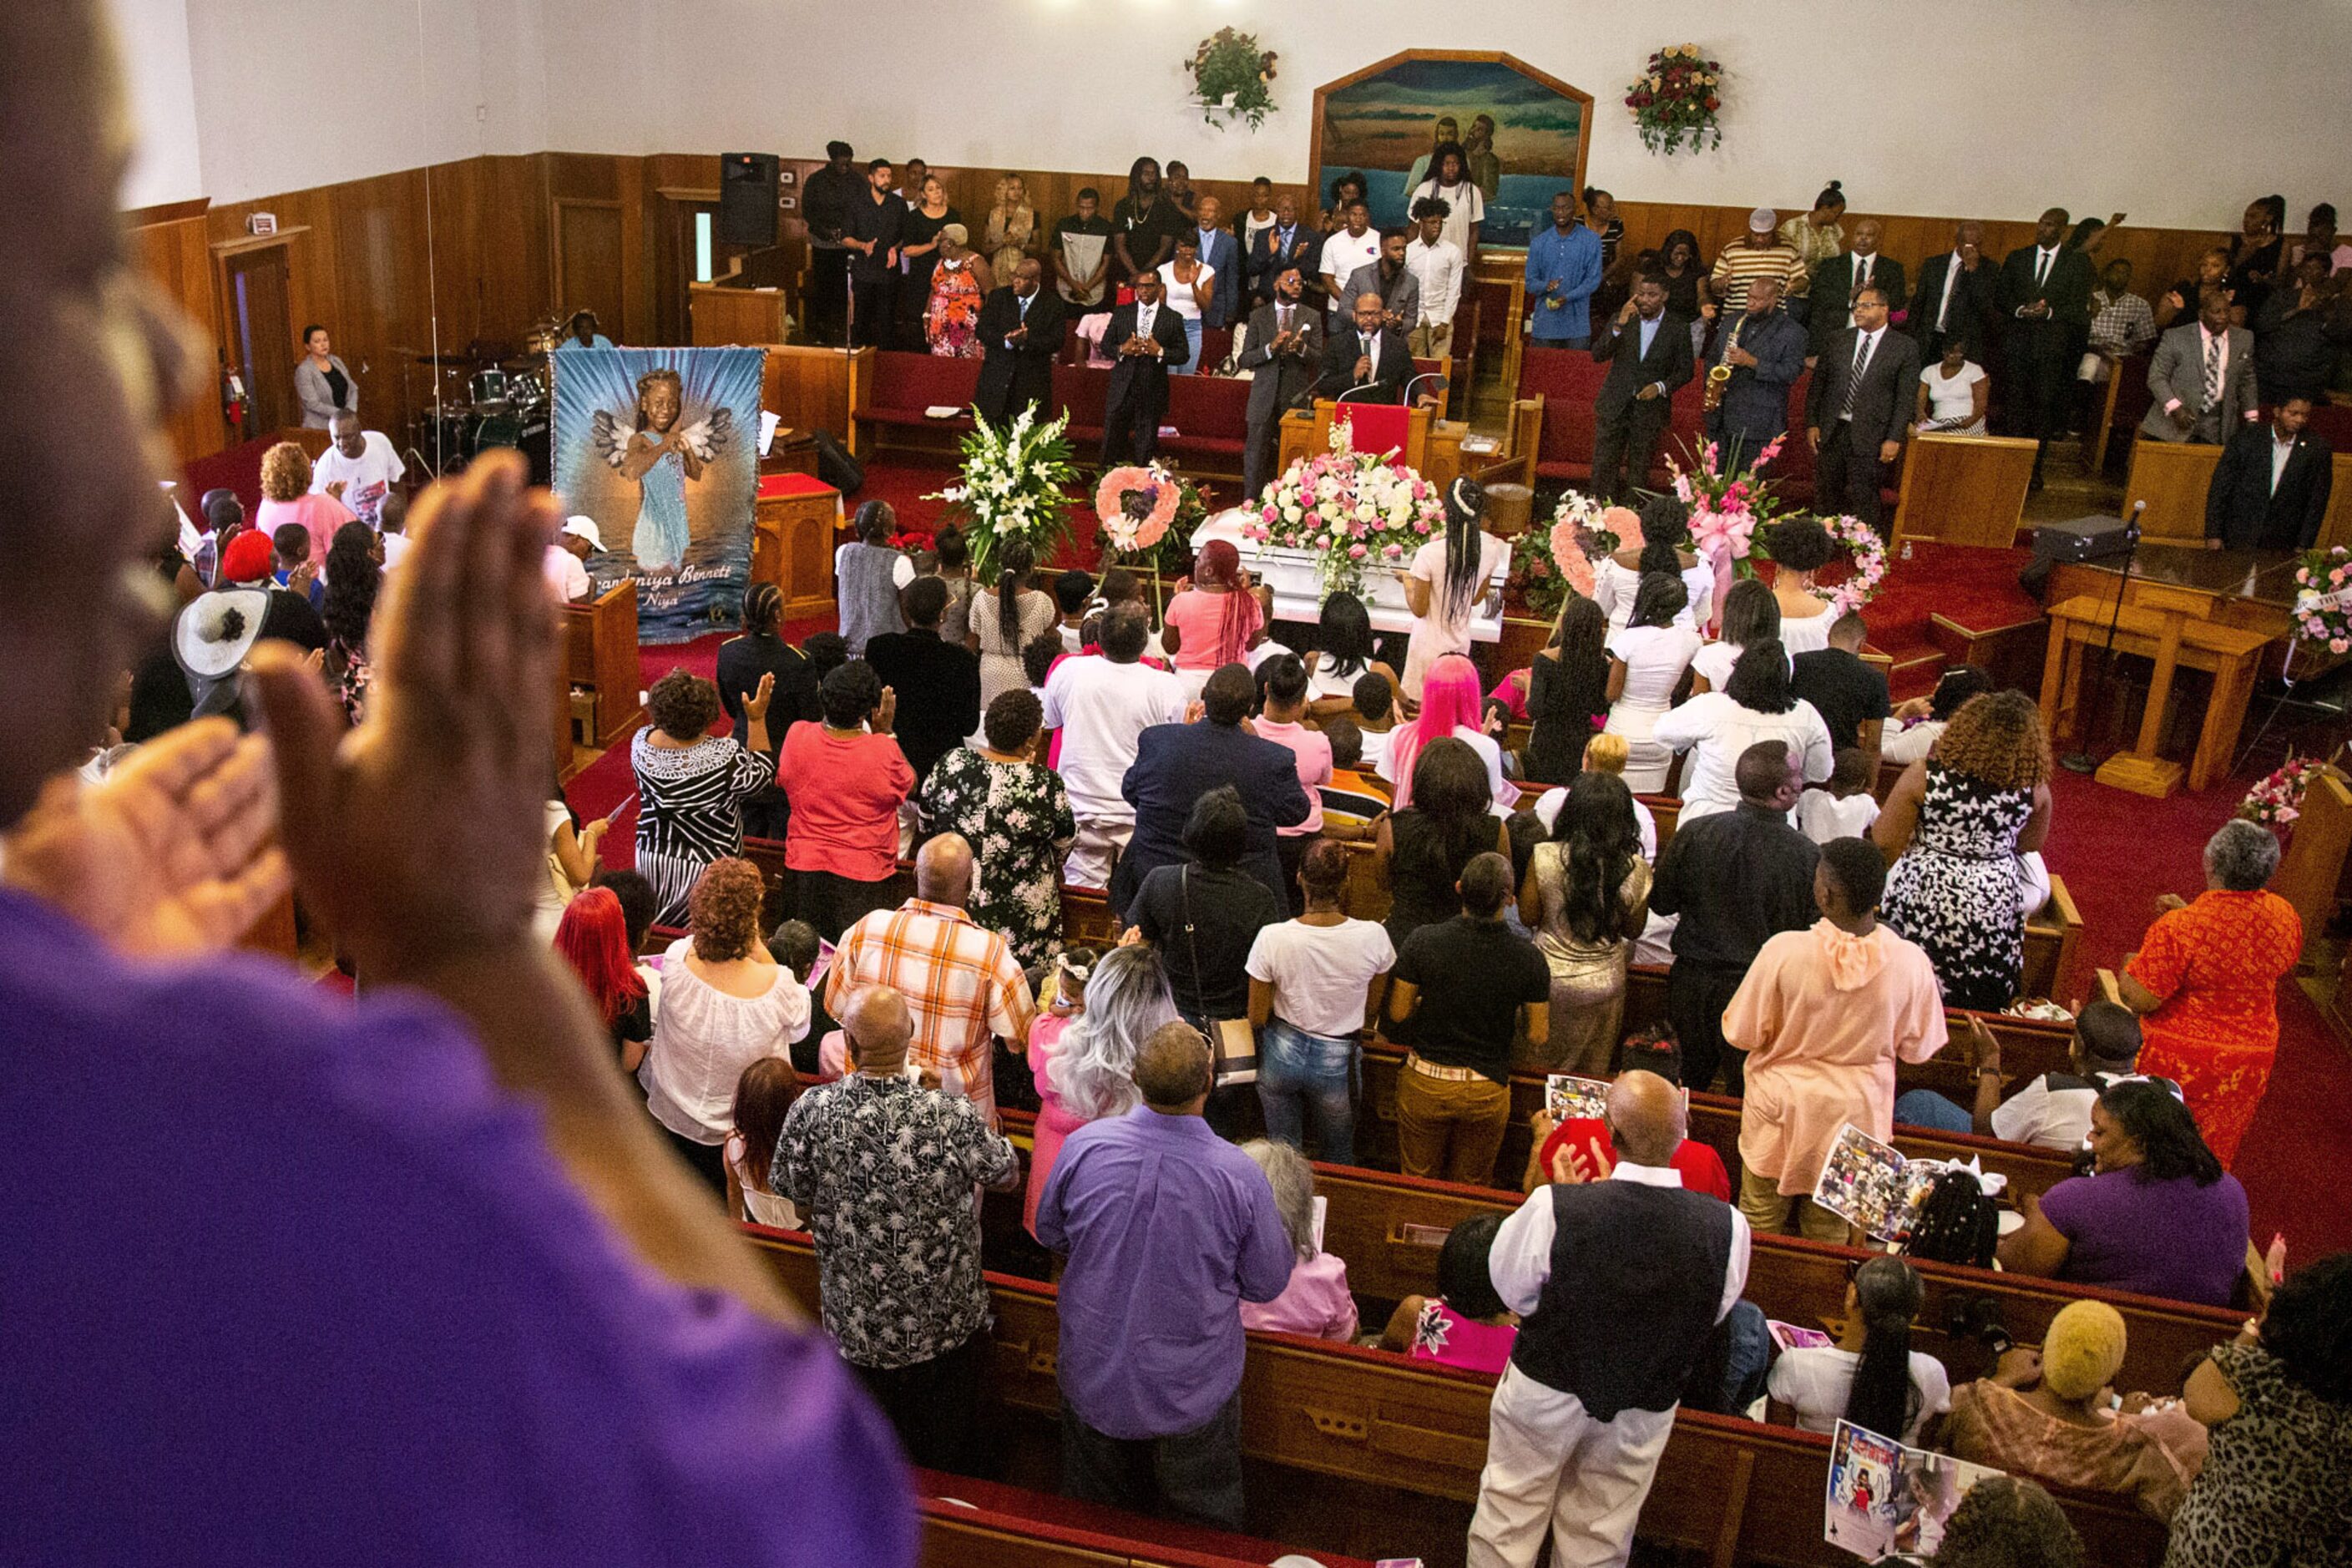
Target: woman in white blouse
pixel 1800 547
pixel 725 1004
pixel 1192 286
pixel 1647 661
pixel 1756 704
pixel 1922 718
pixel 1750 614
pixel 1666 535
pixel 1954 392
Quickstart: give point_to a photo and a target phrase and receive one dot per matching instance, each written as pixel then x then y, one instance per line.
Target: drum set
pixel 482 401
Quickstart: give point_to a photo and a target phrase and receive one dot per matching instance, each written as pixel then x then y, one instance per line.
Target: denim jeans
pixel 1296 1069
pixel 1926 1107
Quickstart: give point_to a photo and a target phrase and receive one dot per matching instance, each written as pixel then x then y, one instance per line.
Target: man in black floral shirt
pixel 885 1168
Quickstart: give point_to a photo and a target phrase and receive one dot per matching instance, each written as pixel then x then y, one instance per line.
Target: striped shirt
pixel 689 811
pixel 961 981
pixel 1740 265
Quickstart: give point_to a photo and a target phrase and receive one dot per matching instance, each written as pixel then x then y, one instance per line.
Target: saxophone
pixel 1718 375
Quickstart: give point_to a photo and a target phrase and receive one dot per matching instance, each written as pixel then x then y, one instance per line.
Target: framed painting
pixel 1523 135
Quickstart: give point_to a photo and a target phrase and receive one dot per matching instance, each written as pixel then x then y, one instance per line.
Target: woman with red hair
pixel 1449 706
pixel 593 938
pixel 1214 614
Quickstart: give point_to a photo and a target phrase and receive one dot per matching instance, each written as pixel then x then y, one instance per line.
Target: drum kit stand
pixel 482 400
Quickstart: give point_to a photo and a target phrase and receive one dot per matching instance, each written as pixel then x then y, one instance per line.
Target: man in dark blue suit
pixel 1765 348
pixel 1176 764
pixel 1221 254
pixel 1289 243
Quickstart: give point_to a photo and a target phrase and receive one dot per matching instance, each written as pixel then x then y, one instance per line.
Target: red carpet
pixel 2117 852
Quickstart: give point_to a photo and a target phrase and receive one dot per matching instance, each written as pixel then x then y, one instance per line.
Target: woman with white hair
pixel 2205 982
pixel 1084 1069
pixel 1317 1301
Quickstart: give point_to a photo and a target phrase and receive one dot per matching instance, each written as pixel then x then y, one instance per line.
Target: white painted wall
pixel 152 39
pixel 2176 111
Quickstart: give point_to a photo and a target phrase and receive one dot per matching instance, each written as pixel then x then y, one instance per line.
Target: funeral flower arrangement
pixel 1547 565
pixel 1232 76
pixel 1147 516
pixel 1352 510
pixel 1867 552
pixel 2322 600
pixel 2277 800
pixel 1015 485
pixel 1729 501
pixel 1675 102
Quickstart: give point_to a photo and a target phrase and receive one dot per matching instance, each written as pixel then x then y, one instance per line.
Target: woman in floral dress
pixel 958 283
pixel 1954 828
pixel 1015 815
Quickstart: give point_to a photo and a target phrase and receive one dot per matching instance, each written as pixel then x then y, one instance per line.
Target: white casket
pixel 1299 587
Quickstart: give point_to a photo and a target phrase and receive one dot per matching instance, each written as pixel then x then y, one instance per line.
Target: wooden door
pixel 588 262
pixel 261 336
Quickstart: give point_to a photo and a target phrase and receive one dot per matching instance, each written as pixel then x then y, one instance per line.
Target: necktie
pixel 2212 372
pixel 1862 279
pixel 1854 382
pixel 1282 320
pixel 2041 267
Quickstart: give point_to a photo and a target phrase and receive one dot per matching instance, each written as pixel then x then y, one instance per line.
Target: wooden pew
pixel 972 1523
pixel 1389 1229
pixel 1733 1489
pixel 599 639
pixel 1714 1120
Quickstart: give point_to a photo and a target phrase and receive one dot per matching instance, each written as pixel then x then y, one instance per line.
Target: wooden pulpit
pixel 601 643
pixel 1964 490
pixel 2166 625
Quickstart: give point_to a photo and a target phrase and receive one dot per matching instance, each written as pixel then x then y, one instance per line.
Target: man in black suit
pixel 1865 391
pixel 1289 243
pixel 2044 298
pixel 1954 296
pixel 1373 356
pixel 2270 490
pixel 1836 280
pixel 1283 356
pixel 1021 330
pixel 937 681
pixel 1649 356
pixel 1175 765
pixel 1145 337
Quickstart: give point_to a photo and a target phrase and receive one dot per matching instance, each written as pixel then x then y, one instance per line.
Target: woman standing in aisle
pixel 1446 581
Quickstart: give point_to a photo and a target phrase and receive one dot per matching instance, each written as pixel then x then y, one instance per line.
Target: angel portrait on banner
pixel 662 453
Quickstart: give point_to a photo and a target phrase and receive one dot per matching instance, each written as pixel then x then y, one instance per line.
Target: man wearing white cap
pixel 567 572
pixel 1760 255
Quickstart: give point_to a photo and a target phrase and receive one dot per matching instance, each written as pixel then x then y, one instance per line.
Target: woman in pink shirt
pixel 1082 1049
pixel 1214 614
pixel 1316 1302
pixel 845 783
pixel 1823 1014
pixel 286 498
pixel 1465 1324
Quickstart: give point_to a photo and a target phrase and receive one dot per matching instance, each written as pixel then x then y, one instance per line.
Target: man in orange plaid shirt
pixel 959 979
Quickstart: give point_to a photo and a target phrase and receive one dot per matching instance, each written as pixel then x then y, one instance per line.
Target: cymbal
pixel 524 362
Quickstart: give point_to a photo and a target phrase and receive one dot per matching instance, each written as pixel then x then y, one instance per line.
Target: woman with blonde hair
pixel 1953 829
pixel 1012 227
pixel 285 497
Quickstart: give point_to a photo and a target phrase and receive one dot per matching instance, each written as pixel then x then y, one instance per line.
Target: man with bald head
pixel 1365 353
pixel 1738 878
pixel 884 1168
pixel 1619 1283
pixel 961 983
pixel 2044 298
pixel 1022 325
pixel 1167 1229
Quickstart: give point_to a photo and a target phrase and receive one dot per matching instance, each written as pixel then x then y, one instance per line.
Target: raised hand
pixel 171 856
pixel 419 836
pixel 755 703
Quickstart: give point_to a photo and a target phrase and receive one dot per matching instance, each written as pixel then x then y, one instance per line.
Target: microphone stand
pixel 2080 761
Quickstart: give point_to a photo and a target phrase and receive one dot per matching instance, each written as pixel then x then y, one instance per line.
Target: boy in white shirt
pixel 1845 809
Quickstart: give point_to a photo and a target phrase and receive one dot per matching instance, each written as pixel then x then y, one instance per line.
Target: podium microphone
pixel 2080 761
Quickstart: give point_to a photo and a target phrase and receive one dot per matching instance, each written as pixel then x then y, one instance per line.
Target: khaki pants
pixel 1767 1208
pixel 1431 340
pixel 1099 844
pixel 1450 1132
pixel 1553 1470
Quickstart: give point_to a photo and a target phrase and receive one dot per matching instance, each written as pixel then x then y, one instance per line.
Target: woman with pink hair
pixel 1214 614
pixel 1449 706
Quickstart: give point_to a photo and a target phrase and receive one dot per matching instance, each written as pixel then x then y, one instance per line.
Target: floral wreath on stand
pixel 1148 515
pixel 2322 604
pixel 1674 103
pixel 1868 554
pixel 1547 565
pixel 1231 76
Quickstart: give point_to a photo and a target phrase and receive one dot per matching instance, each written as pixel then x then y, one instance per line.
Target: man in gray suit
pixel 1284 355
pixel 1392 280
pixel 2202 378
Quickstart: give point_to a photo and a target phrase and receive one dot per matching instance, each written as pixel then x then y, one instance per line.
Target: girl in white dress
pixel 1447 580
pixel 1800 547
pixel 1647 661
pixel 1750 614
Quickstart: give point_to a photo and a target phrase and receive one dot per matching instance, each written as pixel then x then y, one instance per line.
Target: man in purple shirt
pixel 1168 1229
pixel 291 1278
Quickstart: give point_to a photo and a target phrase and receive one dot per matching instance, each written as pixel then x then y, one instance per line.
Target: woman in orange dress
pixel 958 283
pixel 2205 981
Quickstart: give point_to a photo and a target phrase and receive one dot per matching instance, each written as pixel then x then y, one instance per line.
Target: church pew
pixel 973 1523
pixel 1735 1490
pixel 1714 1120
pixel 1389 1229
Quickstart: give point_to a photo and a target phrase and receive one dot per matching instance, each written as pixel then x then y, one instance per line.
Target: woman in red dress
pixel 2206 984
